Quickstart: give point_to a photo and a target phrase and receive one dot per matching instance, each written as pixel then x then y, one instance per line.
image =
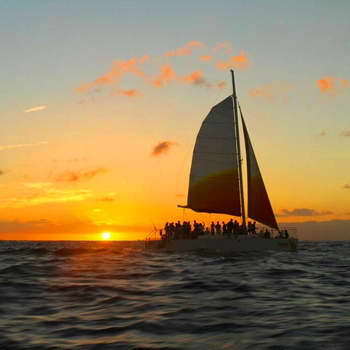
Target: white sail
pixel 214 186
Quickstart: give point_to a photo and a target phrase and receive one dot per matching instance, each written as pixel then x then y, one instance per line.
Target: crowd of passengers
pixel 185 230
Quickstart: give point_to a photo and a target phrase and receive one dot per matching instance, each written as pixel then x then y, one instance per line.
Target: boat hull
pixel 225 244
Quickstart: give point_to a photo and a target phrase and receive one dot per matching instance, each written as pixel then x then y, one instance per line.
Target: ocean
pixel 116 295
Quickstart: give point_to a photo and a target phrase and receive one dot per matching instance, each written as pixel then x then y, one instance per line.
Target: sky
pixel 101 102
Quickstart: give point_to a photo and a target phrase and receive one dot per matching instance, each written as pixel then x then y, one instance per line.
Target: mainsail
pixel 259 206
pixel 214 184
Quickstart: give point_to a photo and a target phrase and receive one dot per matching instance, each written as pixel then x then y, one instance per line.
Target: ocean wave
pixel 87 295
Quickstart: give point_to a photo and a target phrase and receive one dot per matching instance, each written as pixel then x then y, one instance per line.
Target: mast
pixel 235 118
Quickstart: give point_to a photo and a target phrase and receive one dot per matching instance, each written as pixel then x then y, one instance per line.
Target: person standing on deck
pixel 229 227
pixel 212 228
pixel 218 228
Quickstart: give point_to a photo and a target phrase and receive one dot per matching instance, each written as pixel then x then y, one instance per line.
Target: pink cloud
pixel 223 46
pixel 127 93
pixel 240 61
pixel 195 78
pixel 166 75
pixel 332 86
pixel 271 91
pixel 115 73
pixel 185 50
pixel 206 58
pixel 221 84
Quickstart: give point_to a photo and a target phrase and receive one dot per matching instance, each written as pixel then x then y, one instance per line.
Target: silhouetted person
pixel 229 226
pixel 212 228
pixel 224 228
pixel 218 228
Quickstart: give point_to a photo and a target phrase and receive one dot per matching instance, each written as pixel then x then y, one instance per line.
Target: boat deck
pixel 222 244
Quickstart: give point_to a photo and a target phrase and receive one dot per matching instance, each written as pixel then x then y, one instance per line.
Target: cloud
pixel 196 78
pixel 347 186
pixel 109 197
pixel 70 160
pixel 1 172
pixel 22 226
pixel 127 93
pixel 185 50
pixel 321 230
pixel 240 61
pixel 144 59
pixel 38 185
pixel 39 196
pixel 162 148
pixel 35 109
pixel 221 84
pixel 332 86
pixel 345 133
pixel 75 176
pixel 271 91
pixel 21 145
pixel 303 212
pixel 206 58
pixel 167 74
pixel 116 72
pixel 223 46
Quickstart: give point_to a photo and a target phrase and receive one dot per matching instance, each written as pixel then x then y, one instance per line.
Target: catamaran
pixel 216 185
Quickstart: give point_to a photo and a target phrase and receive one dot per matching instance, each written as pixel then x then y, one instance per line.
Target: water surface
pixel 116 295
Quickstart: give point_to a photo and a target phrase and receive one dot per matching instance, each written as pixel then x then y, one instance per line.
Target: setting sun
pixel 106 235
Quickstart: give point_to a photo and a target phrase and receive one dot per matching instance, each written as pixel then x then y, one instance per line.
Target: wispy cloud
pixel 185 50
pixel 75 176
pixel 196 78
pixel 162 148
pixel 144 58
pixel 116 72
pixel 22 145
pixel 271 91
pixel 303 212
pixel 109 197
pixel 345 133
pixel 45 195
pixel 127 93
pixel 223 46
pixel 166 74
pixel 38 185
pixel 332 86
pixel 347 186
pixel 35 109
pixel 70 160
pixel 240 61
pixel 205 58
pixel 221 84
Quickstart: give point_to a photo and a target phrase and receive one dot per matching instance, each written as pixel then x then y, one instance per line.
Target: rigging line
pixel 235 118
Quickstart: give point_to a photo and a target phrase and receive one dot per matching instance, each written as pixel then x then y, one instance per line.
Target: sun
pixel 106 236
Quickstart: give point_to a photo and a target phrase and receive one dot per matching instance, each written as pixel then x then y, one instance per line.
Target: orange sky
pixel 98 130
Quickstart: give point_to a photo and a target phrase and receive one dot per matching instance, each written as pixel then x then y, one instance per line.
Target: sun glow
pixel 106 236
